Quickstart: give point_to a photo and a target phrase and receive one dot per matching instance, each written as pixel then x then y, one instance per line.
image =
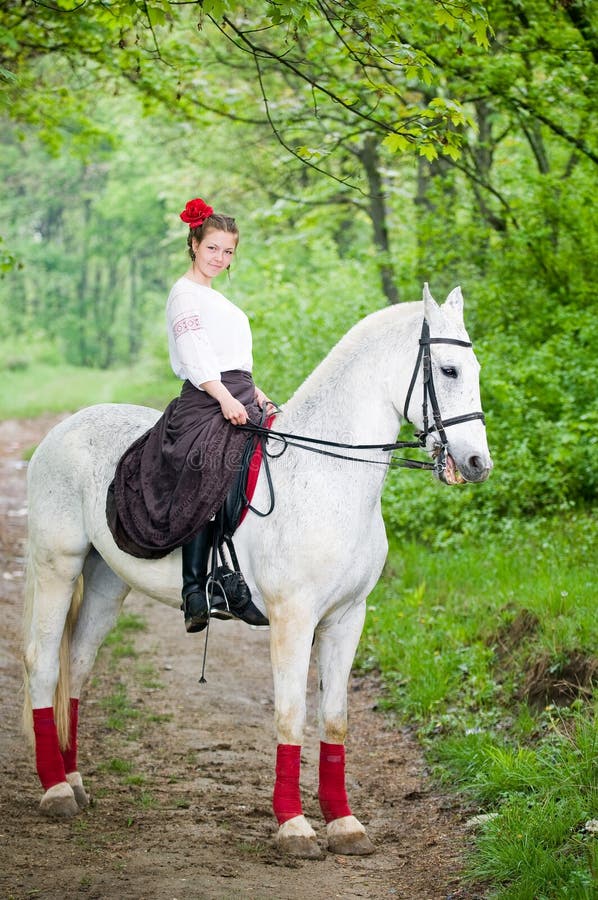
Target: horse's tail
pixel 62 709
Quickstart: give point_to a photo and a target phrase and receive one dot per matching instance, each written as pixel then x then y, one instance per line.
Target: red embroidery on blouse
pixel 191 323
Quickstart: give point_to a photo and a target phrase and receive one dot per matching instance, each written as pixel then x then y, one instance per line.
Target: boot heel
pixel 196 612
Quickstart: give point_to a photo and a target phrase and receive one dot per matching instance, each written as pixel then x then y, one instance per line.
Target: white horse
pixel 310 565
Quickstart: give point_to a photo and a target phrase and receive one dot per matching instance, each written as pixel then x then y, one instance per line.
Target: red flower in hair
pixel 196 212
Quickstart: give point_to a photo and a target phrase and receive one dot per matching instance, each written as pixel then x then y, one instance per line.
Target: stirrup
pixel 238 595
pixel 217 600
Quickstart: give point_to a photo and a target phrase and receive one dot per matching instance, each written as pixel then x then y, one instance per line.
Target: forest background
pixel 364 147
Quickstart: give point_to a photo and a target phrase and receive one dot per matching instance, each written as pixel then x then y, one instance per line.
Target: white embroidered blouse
pixel 207 334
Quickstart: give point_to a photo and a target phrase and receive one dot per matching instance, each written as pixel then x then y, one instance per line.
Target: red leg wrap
pixel 331 792
pixel 70 754
pixel 48 758
pixel 287 798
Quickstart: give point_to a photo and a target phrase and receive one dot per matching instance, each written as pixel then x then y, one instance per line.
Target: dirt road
pixel 181 774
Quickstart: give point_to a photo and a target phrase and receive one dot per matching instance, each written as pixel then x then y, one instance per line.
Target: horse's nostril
pixel 476 463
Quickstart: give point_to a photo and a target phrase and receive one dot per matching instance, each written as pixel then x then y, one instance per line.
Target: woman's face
pixel 213 254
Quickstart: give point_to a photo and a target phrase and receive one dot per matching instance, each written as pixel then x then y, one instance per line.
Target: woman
pixel 173 480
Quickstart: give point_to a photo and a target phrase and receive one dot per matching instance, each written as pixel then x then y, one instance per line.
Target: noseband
pixel 424 360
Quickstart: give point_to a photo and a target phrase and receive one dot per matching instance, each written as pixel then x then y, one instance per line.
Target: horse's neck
pixel 352 395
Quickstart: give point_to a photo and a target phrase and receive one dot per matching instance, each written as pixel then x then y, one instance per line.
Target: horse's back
pixel 103 418
pixel 75 461
pixel 106 429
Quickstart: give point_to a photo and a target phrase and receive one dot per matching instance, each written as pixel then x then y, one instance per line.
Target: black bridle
pixel 429 401
pixel 424 359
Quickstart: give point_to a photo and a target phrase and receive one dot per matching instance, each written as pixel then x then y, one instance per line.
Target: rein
pixel 429 401
pixel 303 442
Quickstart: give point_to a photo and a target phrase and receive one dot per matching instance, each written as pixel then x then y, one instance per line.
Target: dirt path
pixel 181 773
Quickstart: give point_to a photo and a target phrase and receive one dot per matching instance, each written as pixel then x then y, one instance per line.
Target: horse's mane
pixel 363 334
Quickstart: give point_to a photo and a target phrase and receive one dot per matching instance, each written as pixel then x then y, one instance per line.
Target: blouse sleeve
pixel 196 356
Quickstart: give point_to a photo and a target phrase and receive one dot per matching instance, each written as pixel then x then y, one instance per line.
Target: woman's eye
pixel 449 371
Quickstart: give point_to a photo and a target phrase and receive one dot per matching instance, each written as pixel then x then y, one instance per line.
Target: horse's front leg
pixel 291 637
pixel 337 642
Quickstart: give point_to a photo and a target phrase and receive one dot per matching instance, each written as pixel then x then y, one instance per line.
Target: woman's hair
pixel 214 222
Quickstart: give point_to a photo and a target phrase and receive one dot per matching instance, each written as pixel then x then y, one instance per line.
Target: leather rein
pixel 429 404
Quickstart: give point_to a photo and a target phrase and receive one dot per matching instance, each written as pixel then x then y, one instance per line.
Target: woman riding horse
pixel 172 481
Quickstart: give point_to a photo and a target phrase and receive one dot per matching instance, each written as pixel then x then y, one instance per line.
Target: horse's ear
pixel 453 304
pixel 430 305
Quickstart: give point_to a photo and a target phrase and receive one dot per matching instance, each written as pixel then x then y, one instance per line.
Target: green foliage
pixel 442 631
pixel 297 320
pixel 85 238
pixel 541 841
pixel 156 48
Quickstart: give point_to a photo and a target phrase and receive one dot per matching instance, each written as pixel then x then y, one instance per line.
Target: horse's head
pixel 444 402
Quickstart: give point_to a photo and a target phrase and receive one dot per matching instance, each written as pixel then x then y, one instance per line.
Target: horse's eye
pixel 449 371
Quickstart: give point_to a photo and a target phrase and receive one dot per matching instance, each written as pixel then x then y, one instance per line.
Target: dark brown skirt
pixel 174 478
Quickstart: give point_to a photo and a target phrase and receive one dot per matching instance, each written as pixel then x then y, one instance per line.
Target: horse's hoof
pixel 76 782
pixel 297 838
pixel 301 847
pixel 347 837
pixel 59 802
pixel 351 845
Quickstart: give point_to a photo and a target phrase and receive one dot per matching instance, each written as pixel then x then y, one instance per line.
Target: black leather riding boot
pixel 230 597
pixel 195 567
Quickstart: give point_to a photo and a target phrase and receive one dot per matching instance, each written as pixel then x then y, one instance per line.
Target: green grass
pixel 120 711
pixel 121 638
pixel 464 638
pixel 47 388
pixel 122 715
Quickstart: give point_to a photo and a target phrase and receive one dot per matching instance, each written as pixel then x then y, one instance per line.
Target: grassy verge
pixel 490 650
pixel 42 388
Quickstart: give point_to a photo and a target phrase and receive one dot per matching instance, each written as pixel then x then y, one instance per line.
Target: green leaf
pixel 396 143
pixel 480 33
pixel 444 17
pixel 428 150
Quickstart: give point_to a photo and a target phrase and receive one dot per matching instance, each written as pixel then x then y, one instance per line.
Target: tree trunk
pixel 83 287
pixel 134 318
pixel 368 154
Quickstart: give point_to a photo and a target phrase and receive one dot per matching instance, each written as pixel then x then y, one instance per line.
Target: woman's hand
pixel 231 408
pixel 261 400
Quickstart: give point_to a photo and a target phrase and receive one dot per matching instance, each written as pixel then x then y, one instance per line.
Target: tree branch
pixel 286 146
pixel 281 59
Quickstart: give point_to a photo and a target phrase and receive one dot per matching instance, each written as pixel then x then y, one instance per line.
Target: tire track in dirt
pixel 182 790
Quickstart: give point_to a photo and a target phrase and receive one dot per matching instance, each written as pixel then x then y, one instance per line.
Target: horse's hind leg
pixel 337 643
pixel 103 595
pixel 51 583
pixel 51 580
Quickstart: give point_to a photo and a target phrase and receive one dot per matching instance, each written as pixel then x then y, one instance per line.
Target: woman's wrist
pixel 216 389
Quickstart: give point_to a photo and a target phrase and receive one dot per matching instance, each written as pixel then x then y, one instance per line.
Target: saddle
pixel 238 500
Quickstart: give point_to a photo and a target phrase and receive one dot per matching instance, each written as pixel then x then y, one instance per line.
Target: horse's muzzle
pixel 474 469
